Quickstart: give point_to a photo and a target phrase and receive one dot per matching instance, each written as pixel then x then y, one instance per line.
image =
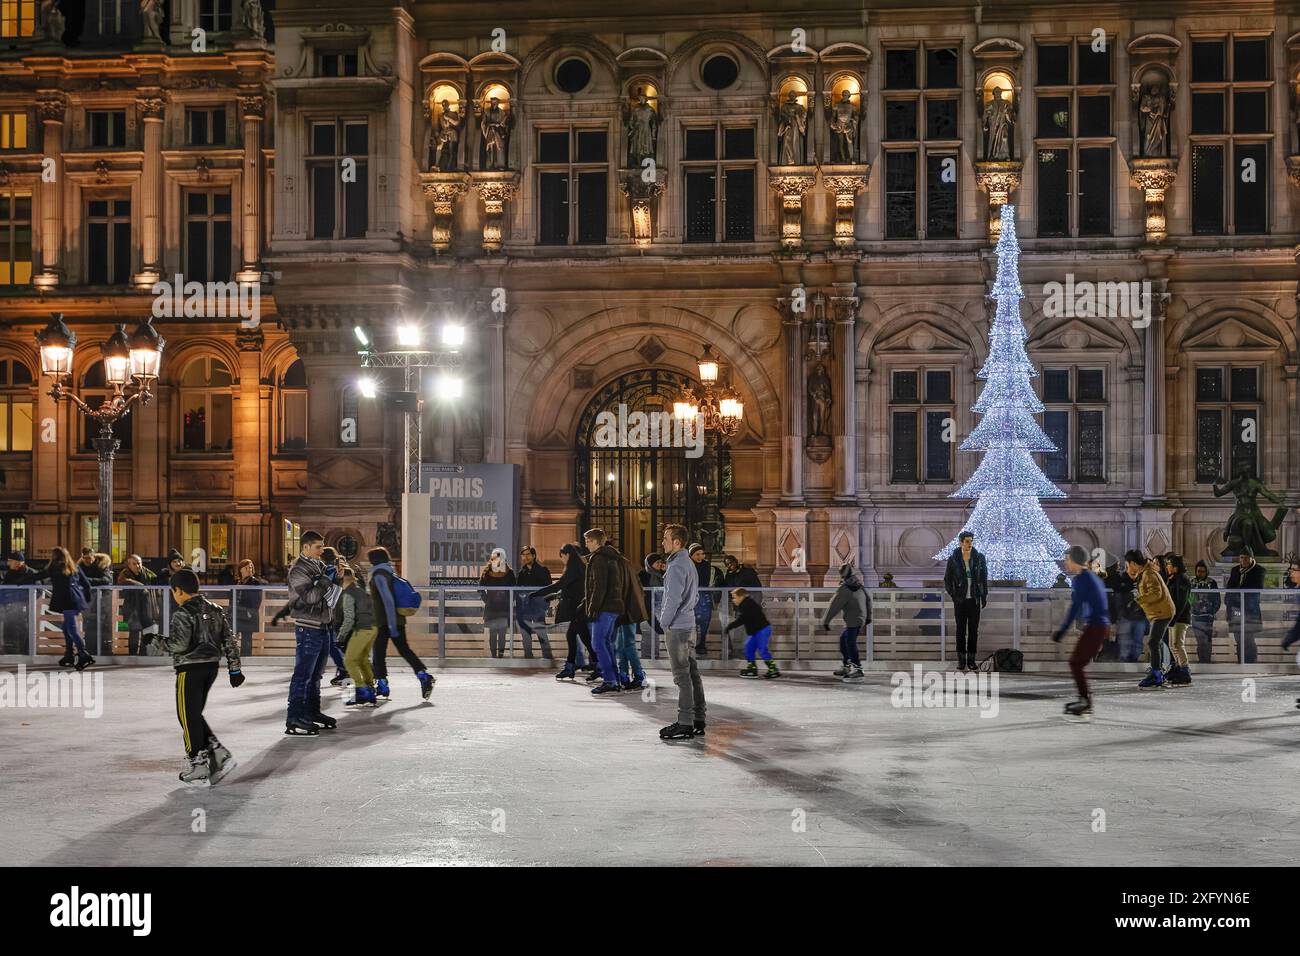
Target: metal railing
pixel 908 624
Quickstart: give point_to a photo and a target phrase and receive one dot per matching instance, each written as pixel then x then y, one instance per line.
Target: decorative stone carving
pixel 820 400
pixel 151 15
pixel 791 185
pixel 1154 177
pixel 999 180
pixel 1153 101
pixel 248 340
pixel 204 167
pixel 495 189
pixel 1293 170
pixel 151 107
pixel 4 174
pixel 254 19
pixel 442 190
pixel 495 123
pixel 444 143
pixel 641 193
pixel 53 20
pixel 252 104
pixel 845 182
pixel 641 127
pixel 102 170
pixel 792 131
pixel 999 124
pixel 843 118
pixel 51 107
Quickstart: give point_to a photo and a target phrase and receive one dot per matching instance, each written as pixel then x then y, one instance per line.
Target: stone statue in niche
pixel 791 130
pixel 999 118
pixel 255 19
pixel 53 20
pixel 151 14
pixel 446 138
pixel 1154 104
pixel 641 124
pixel 818 443
pixel 842 117
pixel 494 128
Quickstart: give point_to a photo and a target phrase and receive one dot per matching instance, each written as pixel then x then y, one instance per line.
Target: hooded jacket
pixel 201 634
pixel 681 592
pixel 1205 598
pixel 1153 593
pixel 381 594
pixel 569 587
pixel 852 599
pixel 606 582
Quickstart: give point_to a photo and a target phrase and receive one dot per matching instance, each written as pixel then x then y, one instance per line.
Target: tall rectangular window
pixel 572 186
pixel 107 127
pixel 1228 426
pixel 921 143
pixel 90 537
pixel 13 131
pixel 206 127
pixel 215 16
pixel 340 198
pixel 109 17
pixel 720 169
pixel 921 425
pixel 1074 139
pixel 1074 418
pixel 15 406
pixel 108 241
pixel 17 18
pixel 15 237
pixel 1231 135
pixel 207 236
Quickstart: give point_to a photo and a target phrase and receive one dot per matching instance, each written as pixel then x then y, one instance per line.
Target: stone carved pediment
pixel 997 48
pixel 1231 334
pixel 1155 43
pixel 922 337
pixel 1075 335
pixel 348 472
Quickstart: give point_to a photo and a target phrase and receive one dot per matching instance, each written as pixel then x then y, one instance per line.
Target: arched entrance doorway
pixel 633 492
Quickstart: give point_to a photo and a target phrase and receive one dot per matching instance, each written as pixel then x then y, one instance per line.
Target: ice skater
pixel 851 600
pixel 392 627
pixel 312 596
pixel 200 635
pixel 1293 636
pixel 676 617
pixel 758 629
pixel 1153 597
pixel 1088 604
pixel 69 596
pixel 357 634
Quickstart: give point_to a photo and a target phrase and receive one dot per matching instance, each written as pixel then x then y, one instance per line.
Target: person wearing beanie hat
pixel 1247 576
pixel 851 600
pixel 174 563
pixel 13 604
pixel 709 577
pixel 1088 602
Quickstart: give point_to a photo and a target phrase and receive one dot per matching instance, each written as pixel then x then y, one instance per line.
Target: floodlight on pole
pixel 448 387
pixel 367 387
pixel 453 335
pixel 361 336
pixel 408 336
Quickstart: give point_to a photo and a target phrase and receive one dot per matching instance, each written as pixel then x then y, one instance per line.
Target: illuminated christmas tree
pixel 1010 527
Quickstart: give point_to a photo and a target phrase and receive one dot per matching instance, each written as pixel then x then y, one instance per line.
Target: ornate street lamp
pixel 717 408
pixel 131 365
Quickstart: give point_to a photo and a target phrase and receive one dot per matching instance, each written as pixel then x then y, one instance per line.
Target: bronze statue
pixel 1248 528
pixel 999 118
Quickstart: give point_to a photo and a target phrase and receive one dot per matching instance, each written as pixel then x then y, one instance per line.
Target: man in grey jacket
pixel 312 596
pixel 851 599
pixel 677 619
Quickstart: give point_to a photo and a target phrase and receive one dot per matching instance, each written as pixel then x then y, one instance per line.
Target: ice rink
pixel 509 767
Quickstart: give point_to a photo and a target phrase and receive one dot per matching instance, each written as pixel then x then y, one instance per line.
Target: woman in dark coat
pixel 570 589
pixel 69 596
pixel 493 580
pixel 248 603
pixel 139 612
pixel 1180 590
pixel 99 607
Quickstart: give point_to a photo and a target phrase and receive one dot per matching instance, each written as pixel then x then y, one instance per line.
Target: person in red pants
pixel 1088 604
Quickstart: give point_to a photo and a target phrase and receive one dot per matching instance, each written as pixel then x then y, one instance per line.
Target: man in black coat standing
pixel 966 580
pixel 1248 575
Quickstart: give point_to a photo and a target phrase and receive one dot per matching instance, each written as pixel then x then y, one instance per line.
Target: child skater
pixel 1088 603
pixel 200 636
pixel 751 616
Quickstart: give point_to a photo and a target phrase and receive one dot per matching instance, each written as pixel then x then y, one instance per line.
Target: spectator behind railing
pixel 13 604
pixel 1205 605
pixel 496 574
pixel 248 604
pixel 139 605
pixel 1247 576
pixel 531 612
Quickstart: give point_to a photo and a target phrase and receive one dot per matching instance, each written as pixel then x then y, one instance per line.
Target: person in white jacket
pixel 677 622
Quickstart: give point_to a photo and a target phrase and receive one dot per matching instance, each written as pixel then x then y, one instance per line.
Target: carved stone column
pixel 796 390
pixel 152 108
pixel 442 190
pixel 52 107
pixel 495 188
pixel 790 183
pixel 1155 431
pixel 250 439
pixel 845 310
pixel 642 195
pixel 1154 177
pixel 494 441
pixel 999 179
pixel 253 106
pixel 844 183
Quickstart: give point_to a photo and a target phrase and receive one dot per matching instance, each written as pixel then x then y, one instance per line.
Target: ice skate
pixel 67 659
pixel 427 681
pixel 636 683
pixel 381 689
pixel 749 670
pixel 364 697
pixel 324 722
pixel 198 774
pixel 842 669
pixel 300 728
pixel 854 675
pixel 699 728
pixel 567 672
pixel 677 732
pixel 1155 680
pixel 1078 711
pixel 220 760
pixel 771 670
pixel 84 661
pixel 339 677
pixel 606 688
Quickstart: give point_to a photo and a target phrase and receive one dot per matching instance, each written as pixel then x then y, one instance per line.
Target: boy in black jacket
pixel 749 614
pixel 200 636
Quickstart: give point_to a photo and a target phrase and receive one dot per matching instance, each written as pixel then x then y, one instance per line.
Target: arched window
pixel 95 391
pixel 15 406
pixel 207 406
pixel 349 417
pixel 293 408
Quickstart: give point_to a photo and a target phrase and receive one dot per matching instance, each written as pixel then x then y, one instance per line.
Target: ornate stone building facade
pixel 598 194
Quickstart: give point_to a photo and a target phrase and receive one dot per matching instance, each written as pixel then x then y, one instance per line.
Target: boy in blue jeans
pixel 751 617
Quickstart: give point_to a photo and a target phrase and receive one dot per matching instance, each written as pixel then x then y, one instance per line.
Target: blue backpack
pixel 405 597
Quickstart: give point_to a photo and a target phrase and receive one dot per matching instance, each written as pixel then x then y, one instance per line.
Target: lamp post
pixel 716 408
pixel 131 365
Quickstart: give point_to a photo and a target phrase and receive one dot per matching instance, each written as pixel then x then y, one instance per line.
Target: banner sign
pixel 473 509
